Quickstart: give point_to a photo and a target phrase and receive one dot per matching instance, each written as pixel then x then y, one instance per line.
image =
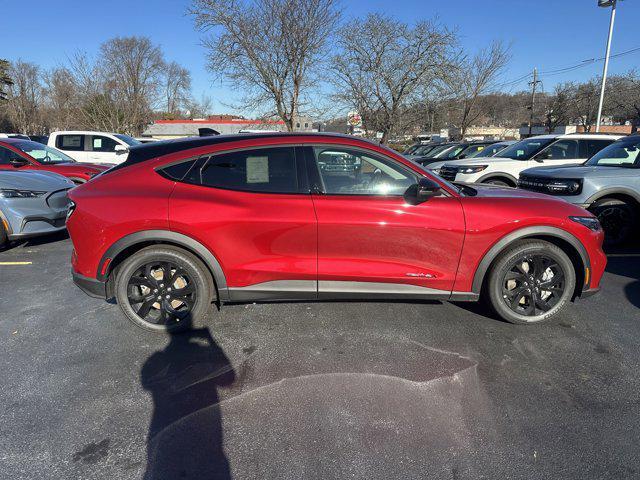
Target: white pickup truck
pixel 93 147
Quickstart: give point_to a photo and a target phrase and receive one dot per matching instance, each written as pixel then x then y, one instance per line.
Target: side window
pixel 99 143
pixel 178 170
pixel 352 172
pixel 259 170
pixel 70 142
pixel 7 155
pixel 561 150
pixel 589 147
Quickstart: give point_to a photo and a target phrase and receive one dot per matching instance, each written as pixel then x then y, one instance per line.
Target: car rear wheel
pixel 531 282
pixel 618 220
pixel 163 289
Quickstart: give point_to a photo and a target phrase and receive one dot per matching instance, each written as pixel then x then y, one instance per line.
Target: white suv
pixel 93 147
pixel 505 167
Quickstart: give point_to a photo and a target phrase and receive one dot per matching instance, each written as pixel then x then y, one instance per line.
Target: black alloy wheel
pixel 164 288
pixel 161 293
pixel 533 285
pixel 530 282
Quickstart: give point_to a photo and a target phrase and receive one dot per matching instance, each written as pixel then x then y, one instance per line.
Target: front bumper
pixel 590 292
pixel 90 286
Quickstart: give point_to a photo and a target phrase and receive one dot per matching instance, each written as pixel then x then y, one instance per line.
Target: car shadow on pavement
pixel 183 378
pixel 35 241
pixel 626 263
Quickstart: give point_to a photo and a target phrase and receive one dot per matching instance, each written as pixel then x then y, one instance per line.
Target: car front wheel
pixel 531 282
pixel 163 289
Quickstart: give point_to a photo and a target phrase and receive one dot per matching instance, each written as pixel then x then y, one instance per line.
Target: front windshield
pixel 623 153
pixel 525 149
pixel 128 140
pixel 488 151
pixel 410 149
pixel 423 150
pixel 43 154
pixel 436 152
pixel 453 152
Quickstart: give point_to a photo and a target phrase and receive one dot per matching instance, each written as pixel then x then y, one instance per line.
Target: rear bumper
pixel 90 286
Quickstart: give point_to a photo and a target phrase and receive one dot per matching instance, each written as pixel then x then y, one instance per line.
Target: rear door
pixel 561 152
pixel 73 144
pixel 371 242
pixel 252 209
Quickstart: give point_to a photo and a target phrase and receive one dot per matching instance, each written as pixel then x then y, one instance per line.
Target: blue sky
pixel 548 34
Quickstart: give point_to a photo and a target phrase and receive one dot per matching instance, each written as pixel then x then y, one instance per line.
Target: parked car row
pixel 576 167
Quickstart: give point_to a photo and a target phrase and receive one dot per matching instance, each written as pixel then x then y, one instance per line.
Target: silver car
pixel 608 185
pixel 32 204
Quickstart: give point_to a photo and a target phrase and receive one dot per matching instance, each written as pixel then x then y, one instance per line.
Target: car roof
pixel 147 151
pixel 80 132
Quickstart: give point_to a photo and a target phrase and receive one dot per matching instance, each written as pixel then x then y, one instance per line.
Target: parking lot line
pixel 15 263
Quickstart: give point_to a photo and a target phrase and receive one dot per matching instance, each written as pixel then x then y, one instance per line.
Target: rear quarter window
pixel 70 142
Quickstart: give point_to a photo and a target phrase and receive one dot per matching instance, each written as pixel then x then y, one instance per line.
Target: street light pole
pixel 606 3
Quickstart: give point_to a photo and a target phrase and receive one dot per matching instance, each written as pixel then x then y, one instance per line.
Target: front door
pixel 371 242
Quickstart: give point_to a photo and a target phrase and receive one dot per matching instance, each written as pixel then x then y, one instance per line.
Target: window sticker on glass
pixel 257 169
pixel 97 143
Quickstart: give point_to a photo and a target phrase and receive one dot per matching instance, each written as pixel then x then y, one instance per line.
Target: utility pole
pixel 534 83
pixel 612 4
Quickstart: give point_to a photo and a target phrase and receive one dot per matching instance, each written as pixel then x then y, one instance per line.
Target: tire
pixel 618 219
pixel 497 182
pixel 529 263
pixel 153 304
pixel 3 236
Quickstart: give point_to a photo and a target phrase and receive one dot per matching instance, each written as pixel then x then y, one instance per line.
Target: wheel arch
pixel 616 193
pixel 498 176
pixel 128 245
pixel 561 238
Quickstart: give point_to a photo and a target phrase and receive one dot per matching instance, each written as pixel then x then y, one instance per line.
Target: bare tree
pixel 623 98
pixel 25 98
pixel 269 48
pixel 176 87
pixel 558 109
pixel 198 108
pixel 132 68
pixel 474 78
pixel 5 78
pixel 384 65
pixel 584 101
pixel 62 99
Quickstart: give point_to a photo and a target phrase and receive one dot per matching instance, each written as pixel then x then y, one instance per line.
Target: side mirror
pixel 421 191
pixel 18 161
pixel 120 149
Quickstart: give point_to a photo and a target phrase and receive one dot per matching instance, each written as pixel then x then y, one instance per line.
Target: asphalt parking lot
pixel 314 390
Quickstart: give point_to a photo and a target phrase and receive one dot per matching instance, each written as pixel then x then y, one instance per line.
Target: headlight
pixel 14 193
pixel 564 186
pixel 472 169
pixel 591 223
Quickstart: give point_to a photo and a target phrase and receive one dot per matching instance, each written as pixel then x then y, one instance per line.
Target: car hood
pixel 577 171
pixel 470 161
pixel 496 191
pixel 92 167
pixel 42 180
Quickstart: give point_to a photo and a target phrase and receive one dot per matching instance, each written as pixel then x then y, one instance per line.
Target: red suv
pixel 16 153
pixel 245 218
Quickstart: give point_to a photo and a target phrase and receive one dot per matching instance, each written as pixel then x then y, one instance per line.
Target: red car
pixel 16 153
pixel 245 218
